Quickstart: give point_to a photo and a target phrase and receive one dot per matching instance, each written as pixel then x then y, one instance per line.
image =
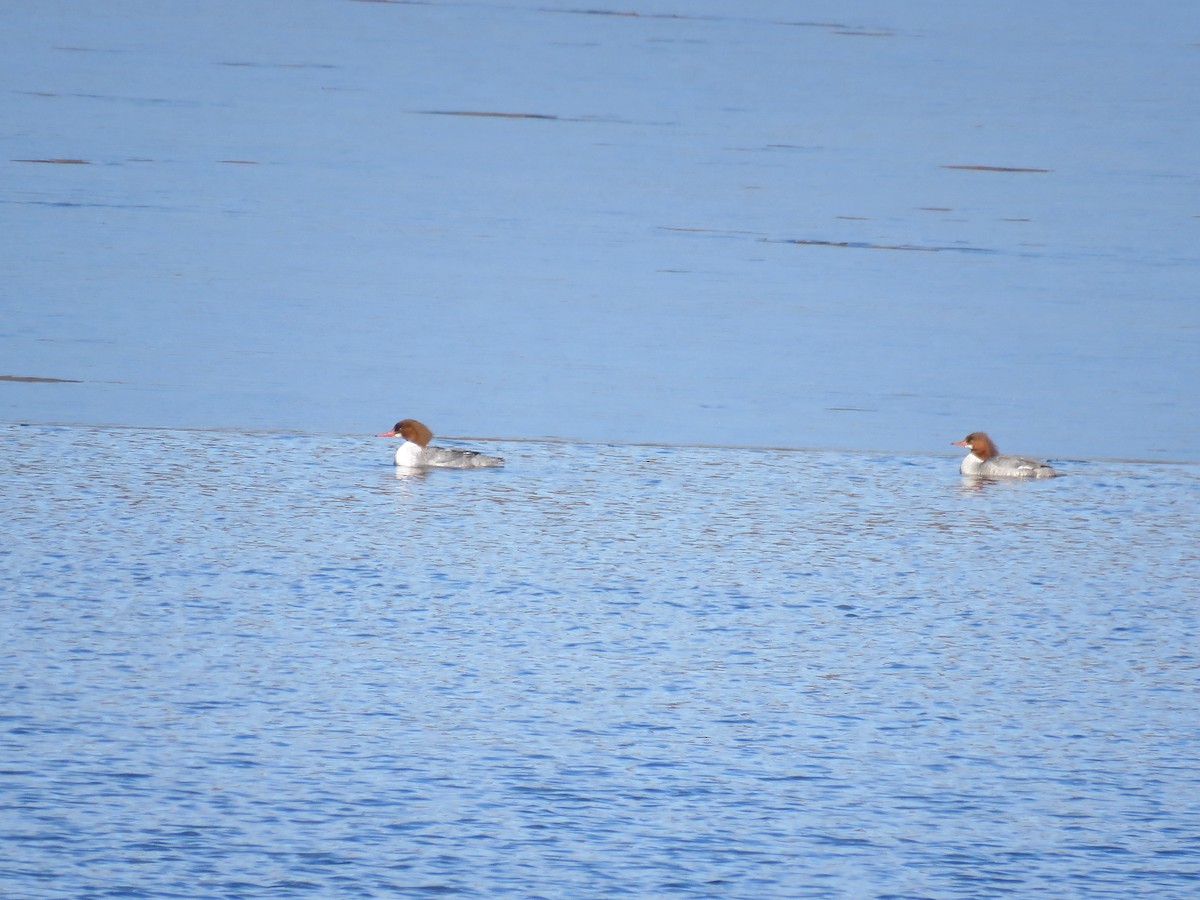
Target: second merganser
pixel 986 461
pixel 415 452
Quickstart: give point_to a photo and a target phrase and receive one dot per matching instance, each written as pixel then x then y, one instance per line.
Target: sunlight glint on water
pixel 269 664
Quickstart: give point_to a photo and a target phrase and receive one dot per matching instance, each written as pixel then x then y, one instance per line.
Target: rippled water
pixel 258 664
pixel 253 665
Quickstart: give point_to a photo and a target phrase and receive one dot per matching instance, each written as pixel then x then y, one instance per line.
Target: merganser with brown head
pixel 985 461
pixel 415 452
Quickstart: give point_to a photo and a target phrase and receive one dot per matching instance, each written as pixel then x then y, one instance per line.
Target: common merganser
pixel 415 452
pixel 986 461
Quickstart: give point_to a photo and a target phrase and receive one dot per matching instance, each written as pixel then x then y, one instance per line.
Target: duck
pixel 985 461
pixel 415 452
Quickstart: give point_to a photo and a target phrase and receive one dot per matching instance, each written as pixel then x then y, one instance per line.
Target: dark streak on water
pixel 34 379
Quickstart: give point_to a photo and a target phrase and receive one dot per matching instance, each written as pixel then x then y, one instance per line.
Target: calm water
pixel 261 664
pixel 860 225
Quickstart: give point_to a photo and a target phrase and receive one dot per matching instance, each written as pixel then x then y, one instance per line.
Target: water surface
pixel 835 225
pixel 266 665
pixel 245 658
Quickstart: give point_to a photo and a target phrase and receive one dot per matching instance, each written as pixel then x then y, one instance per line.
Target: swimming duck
pixel 985 461
pixel 415 451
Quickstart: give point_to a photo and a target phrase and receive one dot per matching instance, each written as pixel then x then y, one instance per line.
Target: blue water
pixel 243 658
pixel 694 240
pixel 264 664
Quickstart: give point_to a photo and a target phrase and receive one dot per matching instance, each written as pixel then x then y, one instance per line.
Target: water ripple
pixel 263 664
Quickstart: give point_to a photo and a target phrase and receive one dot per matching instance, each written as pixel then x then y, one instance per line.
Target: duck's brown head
pixel 979 444
pixel 410 430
